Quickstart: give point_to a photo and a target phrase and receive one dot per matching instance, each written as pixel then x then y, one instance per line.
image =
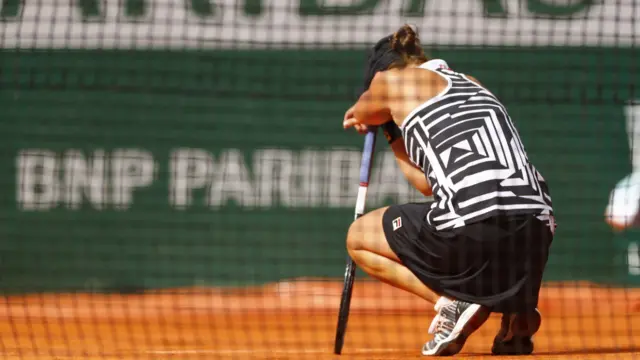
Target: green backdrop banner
pixel 143 169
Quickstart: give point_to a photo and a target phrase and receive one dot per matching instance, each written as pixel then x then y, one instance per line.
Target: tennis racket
pixel 350 271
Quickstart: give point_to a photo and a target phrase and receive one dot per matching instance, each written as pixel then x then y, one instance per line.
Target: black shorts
pixel 497 262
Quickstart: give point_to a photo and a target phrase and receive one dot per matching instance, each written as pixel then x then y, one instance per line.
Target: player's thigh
pixel 366 233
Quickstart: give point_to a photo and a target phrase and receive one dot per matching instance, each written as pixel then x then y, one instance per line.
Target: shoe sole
pixel 470 321
pixel 518 344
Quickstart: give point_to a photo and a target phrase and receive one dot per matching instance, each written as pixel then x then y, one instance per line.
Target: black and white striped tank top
pixel 472 155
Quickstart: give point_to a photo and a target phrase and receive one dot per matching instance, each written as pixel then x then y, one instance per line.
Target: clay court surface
pixel 295 320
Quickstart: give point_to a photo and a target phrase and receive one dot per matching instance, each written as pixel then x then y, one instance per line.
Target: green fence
pixel 144 169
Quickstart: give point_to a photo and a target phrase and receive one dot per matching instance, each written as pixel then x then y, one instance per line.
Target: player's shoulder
pixel 410 73
pixel 441 66
pixel 468 77
pixel 472 78
pixel 391 76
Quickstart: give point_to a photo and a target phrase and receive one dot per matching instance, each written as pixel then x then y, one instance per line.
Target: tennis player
pixel 482 244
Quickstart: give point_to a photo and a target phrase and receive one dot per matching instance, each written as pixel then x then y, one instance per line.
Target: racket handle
pixel 365 169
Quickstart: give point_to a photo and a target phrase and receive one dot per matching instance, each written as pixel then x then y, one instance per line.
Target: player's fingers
pixel 362 129
pixel 347 123
pixel 348 114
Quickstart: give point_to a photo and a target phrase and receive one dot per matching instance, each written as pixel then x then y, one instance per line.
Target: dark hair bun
pixel 406 41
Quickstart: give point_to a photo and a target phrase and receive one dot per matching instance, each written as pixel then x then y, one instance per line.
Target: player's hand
pixel 354 123
pixel 350 121
pixel 361 128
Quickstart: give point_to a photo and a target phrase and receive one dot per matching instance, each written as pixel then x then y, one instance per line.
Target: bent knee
pixel 366 231
pixel 355 236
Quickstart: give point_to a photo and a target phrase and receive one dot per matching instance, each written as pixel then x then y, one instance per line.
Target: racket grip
pixel 367 155
pixel 365 170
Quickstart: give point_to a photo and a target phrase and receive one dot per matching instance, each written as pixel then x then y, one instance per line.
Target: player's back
pixel 471 153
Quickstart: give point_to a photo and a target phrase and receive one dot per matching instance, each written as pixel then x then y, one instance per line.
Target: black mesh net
pixel 176 183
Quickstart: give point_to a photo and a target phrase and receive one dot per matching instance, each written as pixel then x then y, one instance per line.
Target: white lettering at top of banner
pixel 314 23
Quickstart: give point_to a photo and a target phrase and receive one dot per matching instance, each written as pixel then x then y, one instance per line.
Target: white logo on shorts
pixel 397 224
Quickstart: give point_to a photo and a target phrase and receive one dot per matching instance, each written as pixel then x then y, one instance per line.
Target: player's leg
pixel 517 329
pixel 369 249
pixel 374 242
pixel 446 259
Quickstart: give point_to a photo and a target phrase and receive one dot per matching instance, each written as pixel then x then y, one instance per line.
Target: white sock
pixel 442 302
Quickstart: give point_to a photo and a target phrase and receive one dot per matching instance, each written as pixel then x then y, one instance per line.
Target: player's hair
pixel 406 42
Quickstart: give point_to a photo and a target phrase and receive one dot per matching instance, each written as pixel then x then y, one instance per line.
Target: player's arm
pixel 414 174
pixel 372 108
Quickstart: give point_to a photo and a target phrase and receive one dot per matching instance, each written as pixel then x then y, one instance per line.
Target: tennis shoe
pixel 515 336
pixel 454 322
